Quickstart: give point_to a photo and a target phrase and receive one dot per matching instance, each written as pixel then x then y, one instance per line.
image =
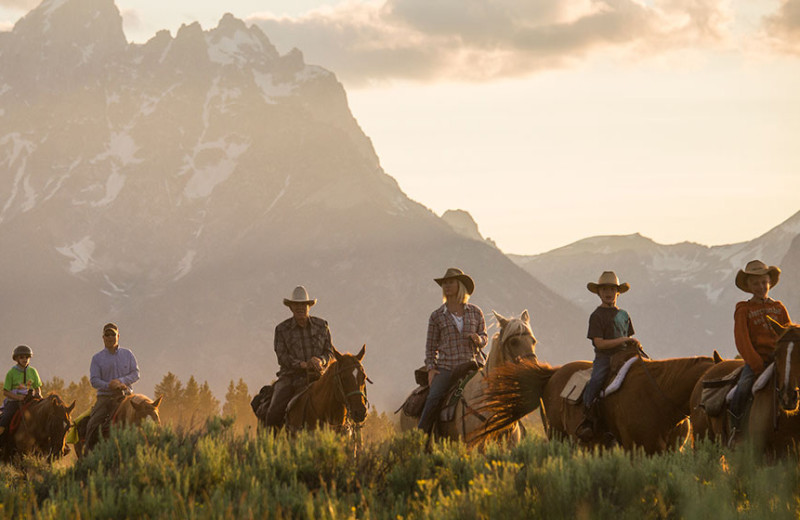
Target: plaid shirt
pixel 447 348
pixel 295 344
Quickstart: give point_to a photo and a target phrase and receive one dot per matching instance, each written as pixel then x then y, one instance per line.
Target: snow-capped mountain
pixel 682 296
pixel 184 186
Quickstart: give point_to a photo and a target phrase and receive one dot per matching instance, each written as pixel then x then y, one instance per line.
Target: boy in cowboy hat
pixel 302 344
pixel 755 339
pixel 21 379
pixel 609 329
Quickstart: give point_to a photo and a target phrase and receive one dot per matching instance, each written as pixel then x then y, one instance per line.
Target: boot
pixel 585 430
pixel 734 428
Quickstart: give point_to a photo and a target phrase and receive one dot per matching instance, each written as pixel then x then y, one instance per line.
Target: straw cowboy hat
pixel 458 274
pixel 299 295
pixel 608 278
pixel 757 268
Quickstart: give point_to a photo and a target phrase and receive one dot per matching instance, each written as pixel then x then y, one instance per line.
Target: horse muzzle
pixel 789 399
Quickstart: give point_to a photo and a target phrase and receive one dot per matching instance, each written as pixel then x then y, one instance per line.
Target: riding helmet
pixel 22 349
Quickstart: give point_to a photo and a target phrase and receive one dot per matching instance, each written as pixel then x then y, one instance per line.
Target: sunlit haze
pixel 684 129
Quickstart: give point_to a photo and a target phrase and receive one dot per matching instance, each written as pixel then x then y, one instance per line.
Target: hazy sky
pixel 555 120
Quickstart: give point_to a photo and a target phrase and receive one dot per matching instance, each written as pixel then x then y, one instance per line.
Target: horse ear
pixel 157 402
pixel 525 316
pixel 336 353
pixel 361 353
pixel 500 319
pixel 717 357
pixel 777 327
pixel 69 409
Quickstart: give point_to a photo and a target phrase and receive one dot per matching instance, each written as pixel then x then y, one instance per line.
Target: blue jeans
pixel 600 370
pixel 743 389
pixel 439 387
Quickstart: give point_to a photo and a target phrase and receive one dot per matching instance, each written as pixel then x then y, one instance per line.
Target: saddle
pixel 261 401
pixel 415 402
pixel 718 393
pixel 621 363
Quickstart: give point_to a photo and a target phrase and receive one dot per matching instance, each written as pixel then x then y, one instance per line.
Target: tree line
pixel 184 406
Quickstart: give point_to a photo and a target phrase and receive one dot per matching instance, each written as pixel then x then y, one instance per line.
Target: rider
pixel 609 329
pixel 456 335
pixel 303 347
pixel 21 380
pixel 755 339
pixel 112 372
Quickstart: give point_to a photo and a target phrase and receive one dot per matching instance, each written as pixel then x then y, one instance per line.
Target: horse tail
pixel 514 391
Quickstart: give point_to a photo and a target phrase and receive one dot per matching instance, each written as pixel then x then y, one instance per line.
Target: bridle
pixel 345 396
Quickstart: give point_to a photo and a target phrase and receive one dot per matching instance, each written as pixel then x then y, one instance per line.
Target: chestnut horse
pixel 43 424
pixel 337 399
pixel 773 424
pixel 132 410
pixel 514 342
pixel 649 410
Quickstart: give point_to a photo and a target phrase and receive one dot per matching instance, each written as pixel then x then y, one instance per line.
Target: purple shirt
pixel 107 366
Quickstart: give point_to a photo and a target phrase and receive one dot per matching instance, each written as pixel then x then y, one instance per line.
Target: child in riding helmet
pixel 20 380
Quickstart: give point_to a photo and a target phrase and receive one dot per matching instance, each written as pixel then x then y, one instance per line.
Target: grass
pixel 161 473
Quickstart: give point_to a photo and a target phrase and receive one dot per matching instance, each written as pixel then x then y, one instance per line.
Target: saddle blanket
pixel 573 390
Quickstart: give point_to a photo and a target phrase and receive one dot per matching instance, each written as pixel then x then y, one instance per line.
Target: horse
pixel 773 425
pixel 132 410
pixel 338 399
pixel 40 427
pixel 513 342
pixel 649 410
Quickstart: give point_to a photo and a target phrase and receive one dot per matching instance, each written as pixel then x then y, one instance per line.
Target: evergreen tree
pixel 82 393
pixel 237 404
pixel 171 389
pixel 55 386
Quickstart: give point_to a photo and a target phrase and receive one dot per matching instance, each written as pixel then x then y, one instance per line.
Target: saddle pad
pixel 573 390
pixel 764 378
pixel 619 378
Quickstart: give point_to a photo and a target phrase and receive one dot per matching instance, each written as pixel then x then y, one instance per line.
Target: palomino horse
pixel 648 410
pixel 42 426
pixel 337 399
pixel 132 410
pixel 773 424
pixel 514 342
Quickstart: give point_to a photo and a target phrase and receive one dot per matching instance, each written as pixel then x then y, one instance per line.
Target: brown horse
pixel 514 342
pixel 338 399
pixel 649 409
pixel 132 410
pixel 43 424
pixel 773 425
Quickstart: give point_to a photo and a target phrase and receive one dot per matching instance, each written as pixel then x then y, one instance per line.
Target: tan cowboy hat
pixel 757 268
pixel 458 274
pixel 299 295
pixel 608 278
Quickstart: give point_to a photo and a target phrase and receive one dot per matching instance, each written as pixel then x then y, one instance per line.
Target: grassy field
pixel 160 473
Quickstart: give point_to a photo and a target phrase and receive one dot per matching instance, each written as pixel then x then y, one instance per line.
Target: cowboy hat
pixel 757 268
pixel 608 278
pixel 458 274
pixel 299 295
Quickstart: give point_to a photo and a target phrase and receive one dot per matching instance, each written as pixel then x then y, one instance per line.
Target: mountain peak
pixel 232 42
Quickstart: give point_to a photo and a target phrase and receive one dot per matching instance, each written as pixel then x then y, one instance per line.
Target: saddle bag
pixel 421 376
pixel 714 392
pixel 261 401
pixel 415 402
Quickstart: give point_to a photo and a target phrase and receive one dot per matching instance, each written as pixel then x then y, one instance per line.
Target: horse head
pixel 56 423
pixel 787 364
pixel 514 342
pixel 145 409
pixel 351 382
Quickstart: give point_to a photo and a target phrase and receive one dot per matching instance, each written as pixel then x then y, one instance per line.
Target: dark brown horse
pixel 649 409
pixel 337 399
pixel 773 425
pixel 41 426
pixel 132 410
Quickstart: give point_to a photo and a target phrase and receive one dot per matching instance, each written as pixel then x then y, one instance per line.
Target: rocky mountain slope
pixel 183 187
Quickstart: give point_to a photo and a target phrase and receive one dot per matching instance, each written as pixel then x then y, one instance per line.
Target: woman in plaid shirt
pixel 456 335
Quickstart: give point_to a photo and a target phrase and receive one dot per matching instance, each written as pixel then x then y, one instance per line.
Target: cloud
pixel 782 29
pixel 481 40
pixel 22 5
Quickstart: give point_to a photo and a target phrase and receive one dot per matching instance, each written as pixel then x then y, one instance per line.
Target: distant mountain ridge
pixel 677 291
pixel 183 187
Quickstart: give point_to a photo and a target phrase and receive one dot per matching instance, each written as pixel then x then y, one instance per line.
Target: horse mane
pixel 514 390
pixel 672 371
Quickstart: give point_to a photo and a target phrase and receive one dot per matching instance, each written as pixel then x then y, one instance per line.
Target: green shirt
pixel 16 376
